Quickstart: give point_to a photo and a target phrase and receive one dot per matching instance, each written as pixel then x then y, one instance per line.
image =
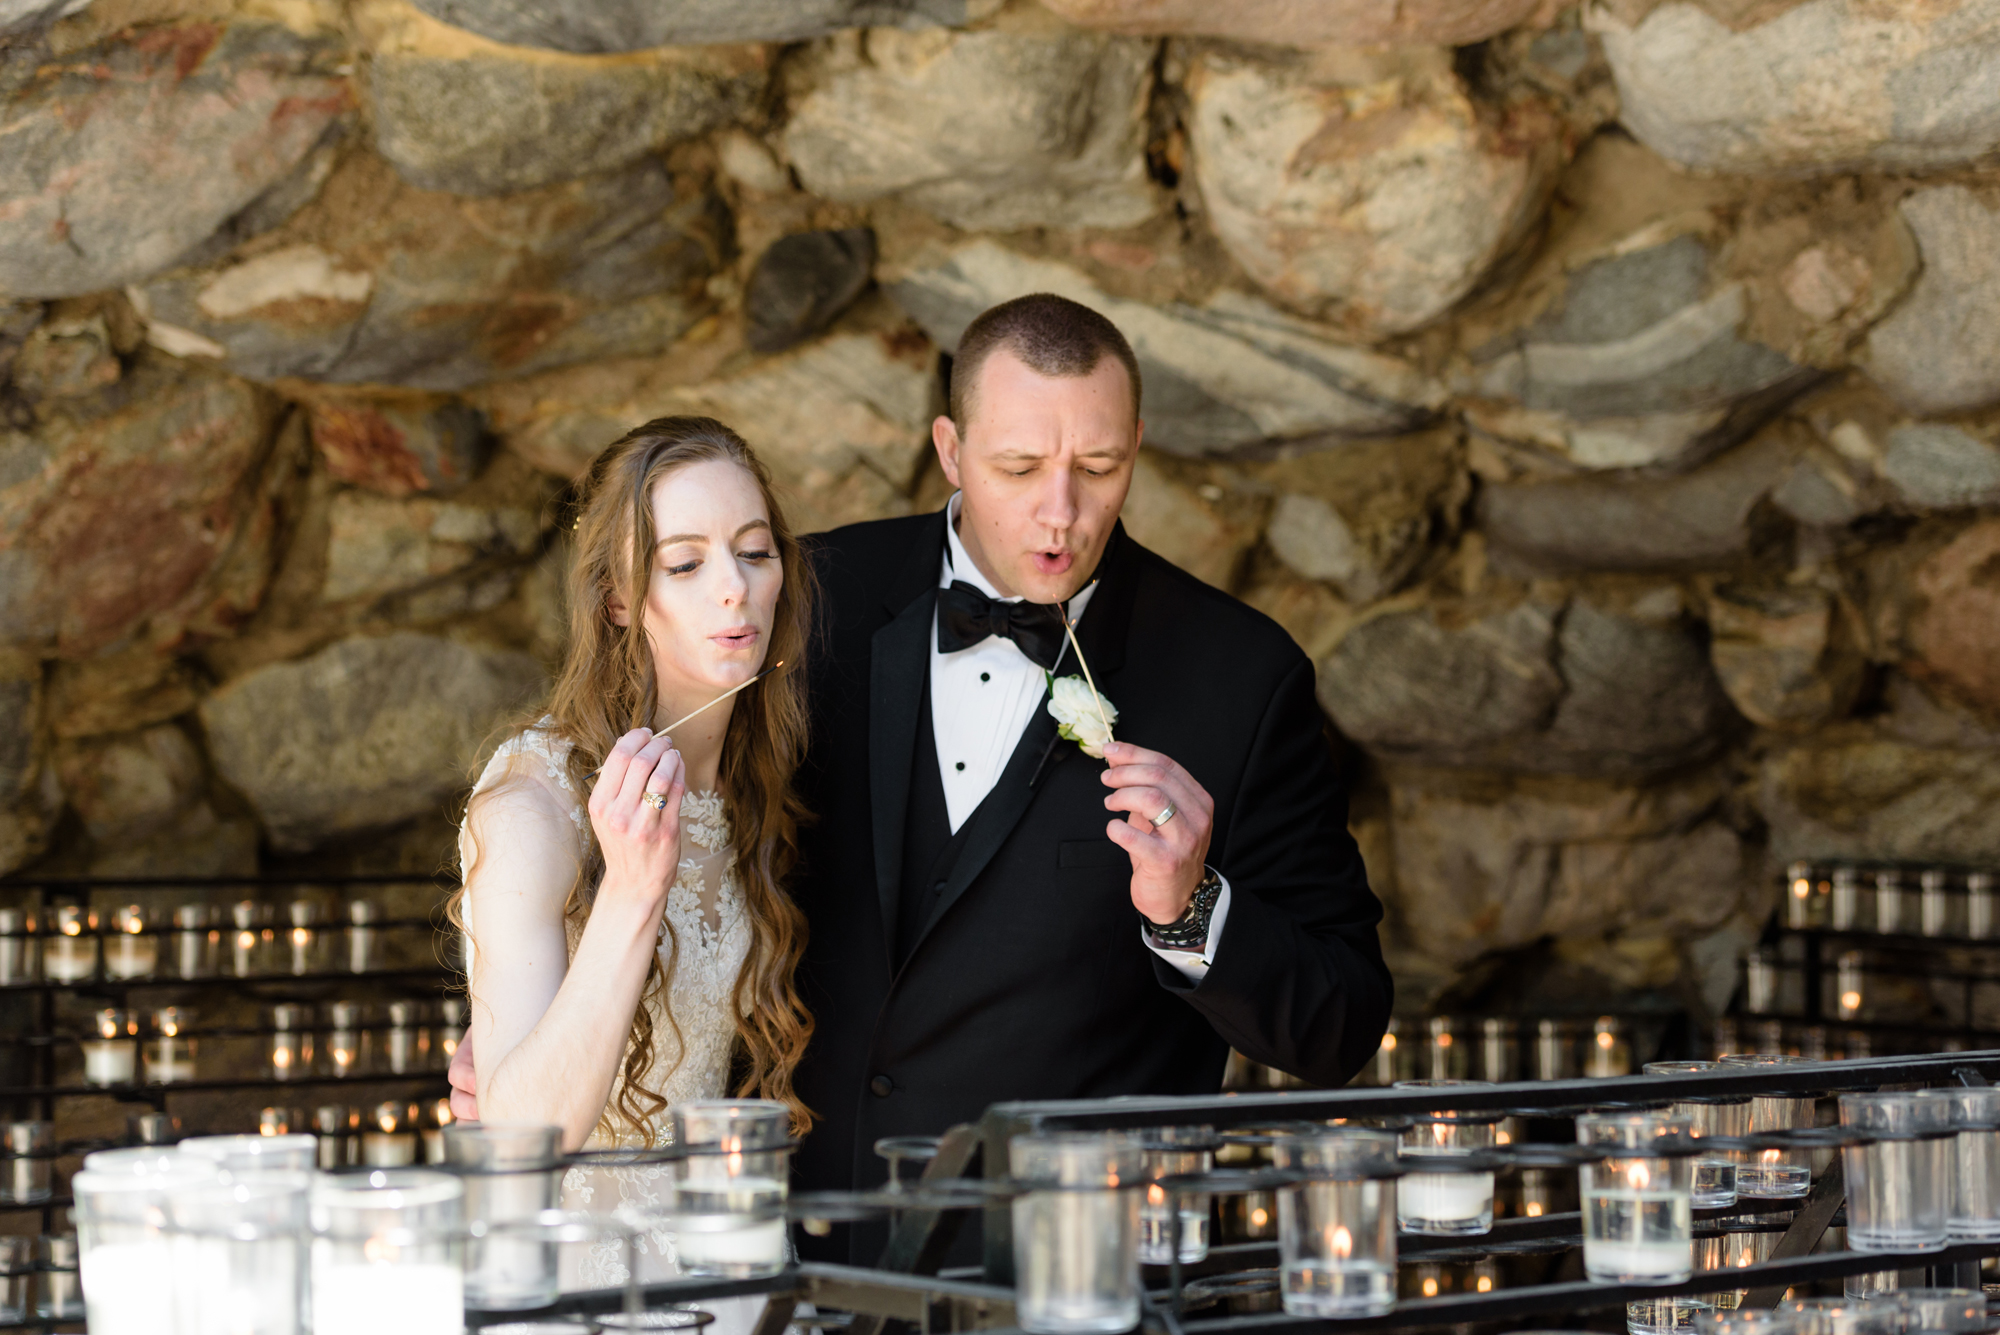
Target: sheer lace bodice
pixel 704 940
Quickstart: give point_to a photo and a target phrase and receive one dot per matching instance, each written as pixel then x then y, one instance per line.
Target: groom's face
pixel 1044 463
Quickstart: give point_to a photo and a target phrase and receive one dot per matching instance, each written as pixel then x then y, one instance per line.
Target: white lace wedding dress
pixel 705 924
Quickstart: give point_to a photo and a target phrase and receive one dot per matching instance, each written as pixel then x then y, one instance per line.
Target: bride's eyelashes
pixel 689 567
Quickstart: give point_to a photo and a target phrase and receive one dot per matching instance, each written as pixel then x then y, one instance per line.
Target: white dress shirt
pixel 982 699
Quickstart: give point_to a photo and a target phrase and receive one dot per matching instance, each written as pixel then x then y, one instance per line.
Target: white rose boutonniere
pixel 1081 714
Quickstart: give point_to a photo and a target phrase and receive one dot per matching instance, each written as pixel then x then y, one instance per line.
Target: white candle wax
pixel 169 1061
pixel 1444 1197
pixel 1663 1260
pixel 738 1243
pixel 68 959
pixel 387 1300
pixel 127 956
pixel 388 1149
pixel 109 1061
pixel 127 1286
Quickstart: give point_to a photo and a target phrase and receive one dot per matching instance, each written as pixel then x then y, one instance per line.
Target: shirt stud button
pixel 961 766
pixel 881 1086
pixel 986 676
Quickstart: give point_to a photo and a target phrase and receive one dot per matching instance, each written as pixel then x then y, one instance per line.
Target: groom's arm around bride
pixel 996 914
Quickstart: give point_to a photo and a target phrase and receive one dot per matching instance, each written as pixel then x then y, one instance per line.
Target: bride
pixel 631 938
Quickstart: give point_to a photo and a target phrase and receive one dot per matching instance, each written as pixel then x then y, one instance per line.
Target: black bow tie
pixel 966 616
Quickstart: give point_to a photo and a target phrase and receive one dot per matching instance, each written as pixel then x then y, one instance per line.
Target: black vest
pixel 930 849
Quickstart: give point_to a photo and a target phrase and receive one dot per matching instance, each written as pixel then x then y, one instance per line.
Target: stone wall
pixel 1605 397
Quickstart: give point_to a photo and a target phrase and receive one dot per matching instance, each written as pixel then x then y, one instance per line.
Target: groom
pixel 995 914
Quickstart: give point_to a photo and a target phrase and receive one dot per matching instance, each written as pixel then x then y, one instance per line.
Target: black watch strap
pixel 1190 930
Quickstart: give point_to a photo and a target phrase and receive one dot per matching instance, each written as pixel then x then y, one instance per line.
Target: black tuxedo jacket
pixel 1030 980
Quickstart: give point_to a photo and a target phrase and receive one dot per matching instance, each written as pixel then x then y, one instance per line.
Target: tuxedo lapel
pixel 899 656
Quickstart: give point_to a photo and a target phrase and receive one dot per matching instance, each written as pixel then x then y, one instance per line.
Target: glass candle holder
pixel 1934 903
pixel 292 1152
pixel 1844 909
pixel 291 1041
pixel 241 1248
pixel 346 1040
pixel 1889 903
pixel 248 938
pixel 1539 1192
pixel 125 1254
pixel 730 1191
pixel 434 1129
pixel 61 1291
pixel 1390 1058
pixel 1076 1232
pixel 363 938
pixel 1760 981
pixel 1664 1316
pixel 69 951
pixel 1499 1057
pixel 17 1270
pixel 1979 905
pixel 389 1141
pixel 302 937
pixel 1174 1151
pixel 169 1052
pixel 1713 1180
pixel 196 942
pixel 1638 1209
pixel 1849 984
pixel 29 1164
pixel 130 949
pixel 1897 1185
pixel 111 1057
pixel 511 1174
pixel 1746 1321
pixel 1337 1229
pixel 1973 1209
pixel 1445 1203
pixel 1444 1054
pixel 1838 1316
pixel 1943 1310
pixel 20 958
pixel 280 1121
pixel 1609 1054
pixel 400 1048
pixel 1799 895
pixel 1776 1174
pixel 1555 1050
pixel 388 1252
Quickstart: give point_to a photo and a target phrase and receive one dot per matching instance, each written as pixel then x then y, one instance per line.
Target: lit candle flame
pixel 1341 1244
pixel 1444 1040
pixel 1156 1194
pixel 1430 1286
pixel 1638 1176
pixel 443 1112
pixel 1605 1040
pixel 386 1119
pixel 1484 1284
pixel 71 927
pixel 1388 1042
pixel 302 936
pixel 1850 1001
pixel 1801 888
pixel 1259 1217
pixel 1534 1210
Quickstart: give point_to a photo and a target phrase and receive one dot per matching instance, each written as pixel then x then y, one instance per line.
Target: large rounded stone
pixel 1572 689
pixel 29 796
pixel 1203 536
pixel 843 423
pixel 1938 467
pixel 123 158
pixel 1786 655
pixel 1639 360
pixel 1854 793
pixel 131 786
pixel 380 281
pixel 152 522
pixel 461 113
pixel 1231 373
pixel 1618 522
pixel 1825 86
pixel 366 733
pixel 802 282
pixel 634 25
pixel 1365 188
pixel 378 546
pixel 1954 635
pixel 1494 862
pixel 1324 23
pixel 1005 128
pixel 1939 351
pixel 400 446
pixel 1362 516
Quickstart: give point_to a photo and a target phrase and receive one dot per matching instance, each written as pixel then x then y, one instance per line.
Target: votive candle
pixel 112 1058
pixel 69 953
pixel 388 1142
pixel 169 1053
pixel 130 951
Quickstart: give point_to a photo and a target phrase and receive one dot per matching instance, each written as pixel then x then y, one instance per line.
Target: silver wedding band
pixel 657 801
pixel 1166 815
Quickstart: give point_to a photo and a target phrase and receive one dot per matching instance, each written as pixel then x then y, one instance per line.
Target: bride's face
pixel 714 584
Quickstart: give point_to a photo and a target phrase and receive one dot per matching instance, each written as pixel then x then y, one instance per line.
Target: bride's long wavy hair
pixel 606 688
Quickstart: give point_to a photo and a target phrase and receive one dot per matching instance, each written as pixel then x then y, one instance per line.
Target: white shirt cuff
pixel 1193 964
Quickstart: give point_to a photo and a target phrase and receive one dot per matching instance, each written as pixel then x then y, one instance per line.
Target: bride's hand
pixel 639 833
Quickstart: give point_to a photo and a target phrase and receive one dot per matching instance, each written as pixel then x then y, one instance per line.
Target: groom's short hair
pixel 1053 335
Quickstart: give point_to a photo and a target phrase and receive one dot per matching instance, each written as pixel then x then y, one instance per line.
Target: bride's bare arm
pixel 550 1030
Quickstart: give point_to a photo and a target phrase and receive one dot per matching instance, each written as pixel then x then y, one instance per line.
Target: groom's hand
pixel 1166 859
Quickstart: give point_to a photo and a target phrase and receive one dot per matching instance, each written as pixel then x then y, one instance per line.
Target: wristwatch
pixel 1190 930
